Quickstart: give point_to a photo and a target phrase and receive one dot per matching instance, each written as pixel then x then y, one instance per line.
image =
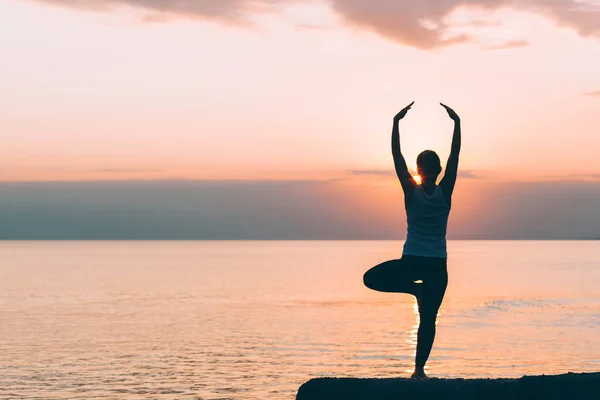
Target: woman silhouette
pixel 422 269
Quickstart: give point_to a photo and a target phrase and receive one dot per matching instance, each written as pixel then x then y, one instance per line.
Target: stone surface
pixel 568 386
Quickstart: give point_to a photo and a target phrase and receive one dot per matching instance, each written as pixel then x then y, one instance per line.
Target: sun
pixel 417 179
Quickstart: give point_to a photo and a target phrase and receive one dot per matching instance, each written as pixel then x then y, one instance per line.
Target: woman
pixel 422 269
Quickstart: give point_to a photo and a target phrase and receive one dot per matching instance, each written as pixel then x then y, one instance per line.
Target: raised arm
pixel 406 180
pixel 449 180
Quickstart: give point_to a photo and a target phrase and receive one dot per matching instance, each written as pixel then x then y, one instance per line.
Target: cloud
pixel 403 21
pixel 412 22
pixel 478 23
pixel 416 23
pixel 172 210
pixel 377 172
pixel 466 174
pixel 595 93
pixel 310 27
pixel 294 210
pixel 231 11
pixel 513 44
pixel 565 177
pixel 152 18
pixel 126 170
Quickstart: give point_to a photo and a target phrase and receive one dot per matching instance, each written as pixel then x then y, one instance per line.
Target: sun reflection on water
pixel 413 332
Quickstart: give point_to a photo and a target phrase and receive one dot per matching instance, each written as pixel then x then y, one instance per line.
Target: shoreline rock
pixel 580 386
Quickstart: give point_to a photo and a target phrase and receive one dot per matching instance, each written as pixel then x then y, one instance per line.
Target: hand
pixel 451 113
pixel 403 112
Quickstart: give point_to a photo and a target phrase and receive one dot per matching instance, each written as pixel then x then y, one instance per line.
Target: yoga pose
pixel 422 269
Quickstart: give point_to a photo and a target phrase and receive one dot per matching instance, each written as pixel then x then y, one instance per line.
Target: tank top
pixel 427 217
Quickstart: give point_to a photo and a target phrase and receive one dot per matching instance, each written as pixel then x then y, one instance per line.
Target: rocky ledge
pixel 548 387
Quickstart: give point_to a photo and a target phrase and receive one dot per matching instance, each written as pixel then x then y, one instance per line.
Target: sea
pixel 256 319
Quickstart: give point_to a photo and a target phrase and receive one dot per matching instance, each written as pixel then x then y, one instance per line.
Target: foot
pixel 419 374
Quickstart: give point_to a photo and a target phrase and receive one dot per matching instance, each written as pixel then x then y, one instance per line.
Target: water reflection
pixel 249 320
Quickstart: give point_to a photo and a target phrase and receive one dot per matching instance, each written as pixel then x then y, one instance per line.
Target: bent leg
pixel 394 276
pixel 429 301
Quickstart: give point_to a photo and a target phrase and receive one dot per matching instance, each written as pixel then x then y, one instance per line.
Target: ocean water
pixel 254 320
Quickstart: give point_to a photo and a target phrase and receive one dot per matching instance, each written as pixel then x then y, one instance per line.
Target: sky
pixel 264 93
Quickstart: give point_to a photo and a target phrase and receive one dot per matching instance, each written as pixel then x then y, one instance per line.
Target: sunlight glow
pixel 417 179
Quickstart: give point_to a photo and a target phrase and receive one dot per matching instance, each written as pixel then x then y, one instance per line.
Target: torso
pixel 427 213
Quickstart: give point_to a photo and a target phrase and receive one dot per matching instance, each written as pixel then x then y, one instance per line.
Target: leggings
pixel 401 276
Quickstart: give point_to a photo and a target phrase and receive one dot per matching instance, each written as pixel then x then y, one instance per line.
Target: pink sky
pixel 295 88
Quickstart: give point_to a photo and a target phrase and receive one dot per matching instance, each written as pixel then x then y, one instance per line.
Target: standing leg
pixel 394 276
pixel 429 301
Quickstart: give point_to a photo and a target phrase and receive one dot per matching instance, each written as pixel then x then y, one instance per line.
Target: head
pixel 428 165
